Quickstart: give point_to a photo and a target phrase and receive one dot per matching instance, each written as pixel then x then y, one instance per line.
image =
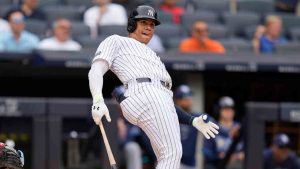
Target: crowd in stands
pixel 187 25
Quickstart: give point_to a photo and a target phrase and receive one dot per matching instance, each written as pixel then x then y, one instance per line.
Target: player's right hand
pixel 99 109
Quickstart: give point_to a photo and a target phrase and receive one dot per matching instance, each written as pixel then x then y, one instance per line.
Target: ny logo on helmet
pixel 150 12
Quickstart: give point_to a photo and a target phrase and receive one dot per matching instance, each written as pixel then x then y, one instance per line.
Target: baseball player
pixel 10 158
pixel 149 100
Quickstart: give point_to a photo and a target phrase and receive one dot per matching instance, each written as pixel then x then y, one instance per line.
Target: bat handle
pixel 114 166
pixel 111 158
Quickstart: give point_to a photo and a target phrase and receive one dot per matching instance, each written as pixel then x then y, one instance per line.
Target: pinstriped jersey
pixel 130 59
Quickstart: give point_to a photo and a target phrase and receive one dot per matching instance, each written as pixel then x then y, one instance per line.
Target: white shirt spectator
pixel 156 44
pixel 54 44
pixel 4 26
pixel 115 15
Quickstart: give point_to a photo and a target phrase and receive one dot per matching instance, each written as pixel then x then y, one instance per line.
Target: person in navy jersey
pixel 183 99
pixel 279 155
pixel 215 150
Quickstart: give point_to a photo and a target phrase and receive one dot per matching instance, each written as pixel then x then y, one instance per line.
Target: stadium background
pixel 45 95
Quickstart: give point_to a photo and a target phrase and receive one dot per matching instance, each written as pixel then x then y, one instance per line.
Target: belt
pixel 146 79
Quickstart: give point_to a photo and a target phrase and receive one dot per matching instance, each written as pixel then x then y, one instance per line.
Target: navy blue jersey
pixel 188 140
pixel 290 163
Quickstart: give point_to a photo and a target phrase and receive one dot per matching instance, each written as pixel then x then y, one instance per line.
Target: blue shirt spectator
pixel 26 42
pixel 268 46
pixel 272 35
pixel 17 40
pixel 279 155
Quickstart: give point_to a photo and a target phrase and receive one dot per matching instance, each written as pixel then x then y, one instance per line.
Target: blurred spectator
pixel 214 150
pixel 18 39
pixel 271 36
pixel 61 39
pixel 31 10
pixel 279 154
pixel 184 99
pixel 288 6
pixel 156 44
pixel 260 30
pixel 200 41
pixel 104 13
pixel 171 6
pixel 4 26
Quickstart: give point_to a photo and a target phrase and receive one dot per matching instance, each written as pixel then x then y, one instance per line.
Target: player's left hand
pixel 208 128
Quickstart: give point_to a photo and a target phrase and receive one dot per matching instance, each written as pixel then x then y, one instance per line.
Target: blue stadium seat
pixel 236 24
pixel 79 29
pixel 164 17
pixel 288 49
pixel 3 10
pixel 233 45
pixel 258 6
pixel 68 12
pixel 294 34
pixel 168 31
pixel 79 3
pixel 37 27
pixel 189 18
pixel 107 30
pixel 215 6
pixel 217 31
pixel 6 2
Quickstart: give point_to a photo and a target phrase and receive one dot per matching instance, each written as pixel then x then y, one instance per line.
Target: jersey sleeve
pixel 107 50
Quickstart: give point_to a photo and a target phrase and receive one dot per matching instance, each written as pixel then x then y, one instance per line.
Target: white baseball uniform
pixel 149 103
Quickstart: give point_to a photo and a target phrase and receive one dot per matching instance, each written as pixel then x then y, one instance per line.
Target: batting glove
pixel 208 128
pixel 99 109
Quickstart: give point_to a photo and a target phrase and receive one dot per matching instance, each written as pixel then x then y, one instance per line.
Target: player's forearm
pixel 184 117
pixel 96 73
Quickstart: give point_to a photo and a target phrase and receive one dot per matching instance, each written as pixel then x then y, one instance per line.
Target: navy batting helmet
pixel 141 12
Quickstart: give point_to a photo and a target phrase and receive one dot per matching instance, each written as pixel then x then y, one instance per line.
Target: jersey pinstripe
pixel 130 59
pixel 148 105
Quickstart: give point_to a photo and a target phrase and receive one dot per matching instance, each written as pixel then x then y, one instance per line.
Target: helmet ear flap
pixel 131 25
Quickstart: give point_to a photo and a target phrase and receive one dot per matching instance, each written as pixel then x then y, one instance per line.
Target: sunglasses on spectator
pixel 17 20
pixel 199 30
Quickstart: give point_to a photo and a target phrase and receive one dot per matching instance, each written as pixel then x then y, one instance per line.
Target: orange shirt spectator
pixel 170 6
pixel 200 41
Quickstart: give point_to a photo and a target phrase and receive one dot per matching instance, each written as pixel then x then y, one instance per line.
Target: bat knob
pixel 114 166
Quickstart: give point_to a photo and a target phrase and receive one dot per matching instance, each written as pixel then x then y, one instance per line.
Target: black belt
pixel 146 79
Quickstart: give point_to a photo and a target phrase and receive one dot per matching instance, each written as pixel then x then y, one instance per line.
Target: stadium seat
pixel 88 43
pixel 167 31
pixel 237 23
pixel 165 17
pixel 290 21
pixel 189 18
pixel 294 34
pixel 45 3
pixel 112 29
pixel 68 12
pixel 258 6
pixel 233 45
pixel 79 29
pixel 215 6
pixel 37 27
pixel 217 31
pixel 3 10
pixel 288 49
pixel 79 3
pixel 5 2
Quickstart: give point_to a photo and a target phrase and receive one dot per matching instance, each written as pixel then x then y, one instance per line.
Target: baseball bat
pixel 111 158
